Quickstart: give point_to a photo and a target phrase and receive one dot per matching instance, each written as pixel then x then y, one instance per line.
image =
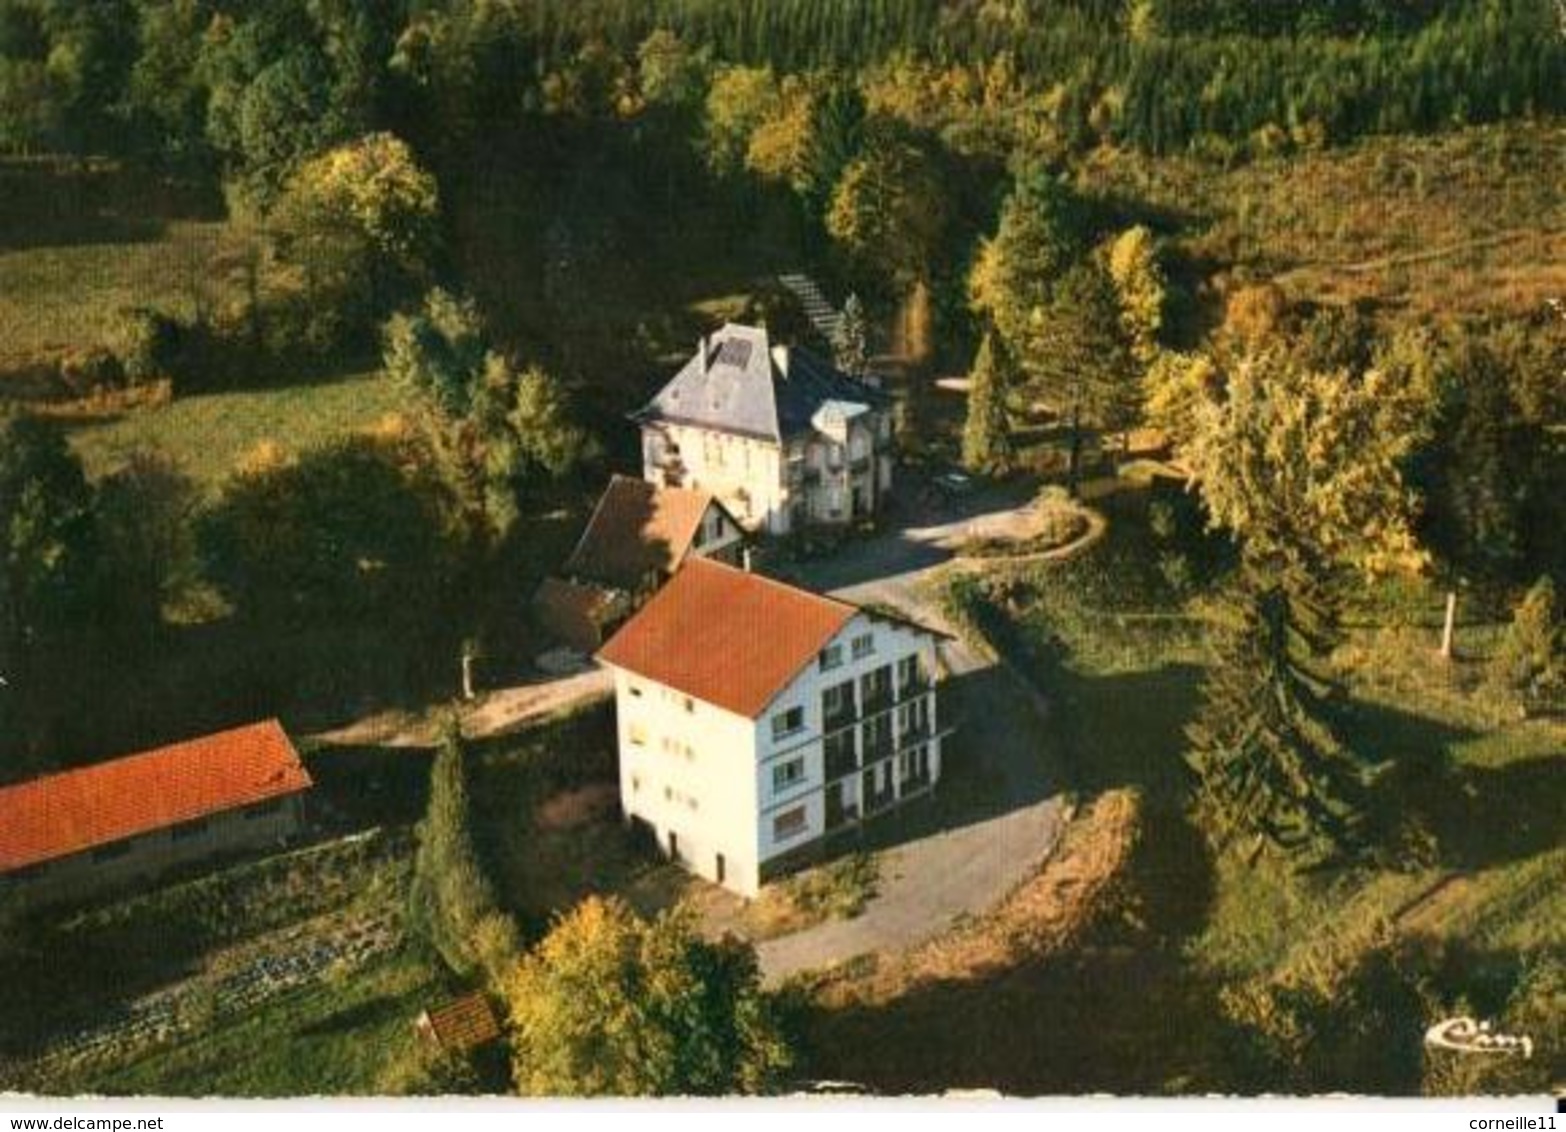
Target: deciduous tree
pixel 1305 469
pixel 888 211
pixel 611 1005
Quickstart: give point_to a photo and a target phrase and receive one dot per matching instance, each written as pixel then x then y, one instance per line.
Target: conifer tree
pixel 1267 763
pixel 1304 469
pixel 986 436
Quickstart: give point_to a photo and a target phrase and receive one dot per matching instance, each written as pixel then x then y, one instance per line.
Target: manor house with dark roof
pixel 781 437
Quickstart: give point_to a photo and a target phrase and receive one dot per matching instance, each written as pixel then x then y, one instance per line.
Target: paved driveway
pixel 994 819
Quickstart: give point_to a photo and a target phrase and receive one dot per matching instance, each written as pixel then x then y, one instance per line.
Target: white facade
pixel 777 488
pixel 852 734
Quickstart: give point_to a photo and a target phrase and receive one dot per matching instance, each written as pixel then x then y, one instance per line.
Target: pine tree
pixel 1267 763
pixel 986 436
pixel 1305 469
pixel 1082 359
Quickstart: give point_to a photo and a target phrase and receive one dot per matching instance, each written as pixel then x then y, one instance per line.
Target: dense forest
pixel 532 189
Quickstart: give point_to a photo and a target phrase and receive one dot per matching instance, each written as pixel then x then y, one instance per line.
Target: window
pixel 636 784
pixel 785 723
pixel 788 824
pixel 635 690
pixel 908 671
pixel 831 657
pixel 838 701
pixel 787 774
pixel 876 688
pixel 690 704
pixel 863 646
pixel 637 733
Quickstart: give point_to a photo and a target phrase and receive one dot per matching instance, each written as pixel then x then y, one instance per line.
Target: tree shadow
pixel 359 1016
pixel 1117 1010
pixel 364 787
pixel 1480 816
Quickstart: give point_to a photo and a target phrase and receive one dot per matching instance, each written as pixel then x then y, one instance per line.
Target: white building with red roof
pixel 73 834
pixel 756 719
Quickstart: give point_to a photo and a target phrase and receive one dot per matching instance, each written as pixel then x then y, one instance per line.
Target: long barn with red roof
pixel 80 832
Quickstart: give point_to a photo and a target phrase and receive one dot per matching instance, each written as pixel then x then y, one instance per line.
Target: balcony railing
pixel 837 720
pixel 879 700
pixel 878 801
pixel 880 749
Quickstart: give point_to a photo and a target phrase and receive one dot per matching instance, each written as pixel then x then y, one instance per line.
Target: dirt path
pixel 497 712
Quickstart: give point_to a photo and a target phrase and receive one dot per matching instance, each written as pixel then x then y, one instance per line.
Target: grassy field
pixel 209 432
pixel 547 821
pixel 336 1037
pixel 66 296
pixel 1465 221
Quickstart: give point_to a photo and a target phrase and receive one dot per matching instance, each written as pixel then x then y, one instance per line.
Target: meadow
pixel 208 433
pixel 1437 226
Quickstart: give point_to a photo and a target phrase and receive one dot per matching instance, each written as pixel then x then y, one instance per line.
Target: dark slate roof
pixel 740 383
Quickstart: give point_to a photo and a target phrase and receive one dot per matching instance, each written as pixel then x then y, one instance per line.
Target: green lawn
pixel 65 296
pixel 207 433
pixel 335 1037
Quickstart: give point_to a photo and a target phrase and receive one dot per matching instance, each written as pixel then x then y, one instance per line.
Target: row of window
pixel 838 701
pixel 669 695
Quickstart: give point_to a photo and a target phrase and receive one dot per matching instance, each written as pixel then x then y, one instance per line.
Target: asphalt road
pixel 996 816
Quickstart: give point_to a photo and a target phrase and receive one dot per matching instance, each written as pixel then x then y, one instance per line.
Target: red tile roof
pixel 461 1024
pixel 61 814
pixel 726 636
pixel 637 529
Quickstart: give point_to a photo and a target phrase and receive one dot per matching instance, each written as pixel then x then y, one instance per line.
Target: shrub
pixel 1348 1014
pixel 1531 662
pixel 1060 519
pixel 91 371
pixel 147 343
